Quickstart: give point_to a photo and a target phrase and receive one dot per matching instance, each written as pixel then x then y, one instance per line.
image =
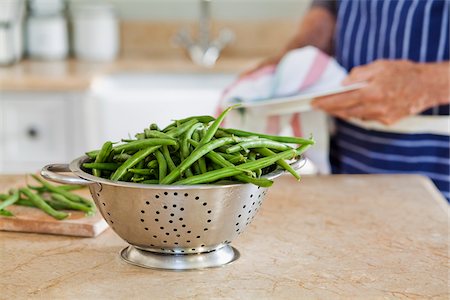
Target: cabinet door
pixel 35 132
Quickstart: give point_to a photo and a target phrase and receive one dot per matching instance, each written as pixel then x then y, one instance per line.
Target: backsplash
pixel 171 10
pixel 252 38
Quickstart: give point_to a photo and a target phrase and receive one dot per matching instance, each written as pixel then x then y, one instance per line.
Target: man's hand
pixel 395 89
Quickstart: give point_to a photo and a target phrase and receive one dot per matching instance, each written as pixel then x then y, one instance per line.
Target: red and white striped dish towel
pixel 301 71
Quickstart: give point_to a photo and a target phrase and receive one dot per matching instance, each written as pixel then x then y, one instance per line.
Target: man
pixel 401 49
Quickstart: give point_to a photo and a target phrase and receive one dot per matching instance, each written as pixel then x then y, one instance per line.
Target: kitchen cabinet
pixel 124 103
pixel 37 128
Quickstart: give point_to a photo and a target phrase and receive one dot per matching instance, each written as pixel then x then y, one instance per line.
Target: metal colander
pixel 169 226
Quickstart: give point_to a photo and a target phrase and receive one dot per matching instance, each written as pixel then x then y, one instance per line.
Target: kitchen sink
pixel 121 104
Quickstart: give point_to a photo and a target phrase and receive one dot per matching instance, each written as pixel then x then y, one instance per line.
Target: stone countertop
pixel 72 75
pixel 347 236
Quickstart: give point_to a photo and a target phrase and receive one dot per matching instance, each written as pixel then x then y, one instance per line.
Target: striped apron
pixel 368 30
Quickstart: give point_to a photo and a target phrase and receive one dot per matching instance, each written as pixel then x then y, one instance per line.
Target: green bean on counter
pixel 49 198
pixel 39 202
pixel 196 150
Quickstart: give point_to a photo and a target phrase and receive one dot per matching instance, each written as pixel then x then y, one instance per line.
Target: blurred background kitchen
pixel 76 73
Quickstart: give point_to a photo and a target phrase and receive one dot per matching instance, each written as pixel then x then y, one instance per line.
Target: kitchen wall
pixel 261 27
pixel 241 10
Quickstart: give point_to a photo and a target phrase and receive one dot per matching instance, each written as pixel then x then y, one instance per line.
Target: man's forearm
pixel 316 29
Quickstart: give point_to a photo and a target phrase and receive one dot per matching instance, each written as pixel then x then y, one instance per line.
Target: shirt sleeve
pixel 330 5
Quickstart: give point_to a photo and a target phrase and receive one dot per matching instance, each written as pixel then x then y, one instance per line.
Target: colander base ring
pixel 153 260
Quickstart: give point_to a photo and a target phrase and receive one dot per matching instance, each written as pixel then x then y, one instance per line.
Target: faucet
pixel 203 51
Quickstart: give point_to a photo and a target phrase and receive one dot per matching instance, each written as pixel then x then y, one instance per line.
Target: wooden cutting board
pixel 29 219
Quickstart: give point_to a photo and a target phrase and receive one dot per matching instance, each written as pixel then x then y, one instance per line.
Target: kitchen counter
pixel 72 75
pixel 347 236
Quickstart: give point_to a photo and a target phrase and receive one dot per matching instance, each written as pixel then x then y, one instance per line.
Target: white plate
pixel 302 102
pixel 297 103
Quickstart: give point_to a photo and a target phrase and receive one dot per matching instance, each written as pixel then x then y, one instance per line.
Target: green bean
pixel 221 133
pixel 23 202
pixel 102 156
pixel 188 172
pixel 6 213
pixel 281 139
pixel 281 163
pixel 102 166
pixel 138 136
pixel 214 126
pixel 138 178
pixel 194 156
pixel 202 164
pixel 4 197
pixel 196 135
pixel 92 154
pixel 202 119
pixel 170 164
pixel 41 189
pixel 127 177
pixel 177 131
pixel 68 195
pixel 215 175
pixel 70 204
pixel 154 126
pixel 40 203
pixel 195 168
pixel 147 172
pixel 28 203
pixel 143 144
pixel 233 158
pixel 121 157
pixel 201 161
pixel 252 157
pixel 184 141
pixel 185 151
pixel 152 164
pixel 162 165
pixel 156 134
pixel 196 165
pixel 259 143
pixel 132 161
pixel 141 164
pixel 55 204
pixel 74 187
pixel 137 145
pixel 13 198
pixel 222 162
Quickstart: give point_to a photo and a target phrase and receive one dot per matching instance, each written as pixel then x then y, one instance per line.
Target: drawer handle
pixel 33 132
pixel 51 172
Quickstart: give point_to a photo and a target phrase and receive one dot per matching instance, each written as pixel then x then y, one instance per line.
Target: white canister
pixel 47 37
pixel 46 7
pixel 95 32
pixel 11 31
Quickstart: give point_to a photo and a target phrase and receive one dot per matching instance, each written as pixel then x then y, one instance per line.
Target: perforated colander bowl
pixel 170 226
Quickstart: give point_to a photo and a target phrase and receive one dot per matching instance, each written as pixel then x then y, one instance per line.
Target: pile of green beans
pixel 54 200
pixel 195 150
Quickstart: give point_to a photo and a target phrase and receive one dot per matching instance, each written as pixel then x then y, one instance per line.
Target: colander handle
pixel 51 172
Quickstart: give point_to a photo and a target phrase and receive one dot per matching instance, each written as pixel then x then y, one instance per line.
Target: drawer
pixel 35 132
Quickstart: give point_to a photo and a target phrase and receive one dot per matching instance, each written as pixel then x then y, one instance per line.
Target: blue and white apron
pixel 368 30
